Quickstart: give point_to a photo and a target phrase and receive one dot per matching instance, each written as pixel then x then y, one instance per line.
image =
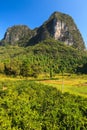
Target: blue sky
pixel 34 12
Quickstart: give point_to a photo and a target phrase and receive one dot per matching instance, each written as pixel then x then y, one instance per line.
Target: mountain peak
pixel 59 26
pixel 59 15
pixel 17 34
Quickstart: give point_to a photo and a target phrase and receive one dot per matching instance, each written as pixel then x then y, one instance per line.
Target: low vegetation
pixel 26 105
pixel 74 84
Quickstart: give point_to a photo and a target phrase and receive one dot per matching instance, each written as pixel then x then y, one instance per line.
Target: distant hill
pixel 59 26
pixel 17 35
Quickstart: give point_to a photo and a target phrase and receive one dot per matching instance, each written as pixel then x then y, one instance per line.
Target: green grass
pixel 75 84
pixel 26 105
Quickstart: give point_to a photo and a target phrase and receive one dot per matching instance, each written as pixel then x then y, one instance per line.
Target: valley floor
pixel 74 84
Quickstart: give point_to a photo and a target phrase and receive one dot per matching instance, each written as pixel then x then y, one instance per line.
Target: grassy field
pixel 28 105
pixel 74 84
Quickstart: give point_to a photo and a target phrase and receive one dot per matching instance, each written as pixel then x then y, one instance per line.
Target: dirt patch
pixel 82 84
pixel 4 88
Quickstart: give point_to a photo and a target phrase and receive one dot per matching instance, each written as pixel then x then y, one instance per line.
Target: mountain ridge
pixel 59 26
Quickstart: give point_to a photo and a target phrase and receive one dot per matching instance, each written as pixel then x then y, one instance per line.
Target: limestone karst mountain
pixel 59 26
pixel 17 35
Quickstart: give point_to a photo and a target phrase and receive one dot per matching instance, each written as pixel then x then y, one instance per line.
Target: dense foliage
pixel 25 105
pixel 48 56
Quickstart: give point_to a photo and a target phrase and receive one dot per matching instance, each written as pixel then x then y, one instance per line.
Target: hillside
pixel 48 56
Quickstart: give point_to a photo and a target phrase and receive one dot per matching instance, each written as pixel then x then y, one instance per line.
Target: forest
pixel 49 56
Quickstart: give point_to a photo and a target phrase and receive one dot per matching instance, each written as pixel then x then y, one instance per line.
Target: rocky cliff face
pixel 59 26
pixel 61 32
pixel 19 34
